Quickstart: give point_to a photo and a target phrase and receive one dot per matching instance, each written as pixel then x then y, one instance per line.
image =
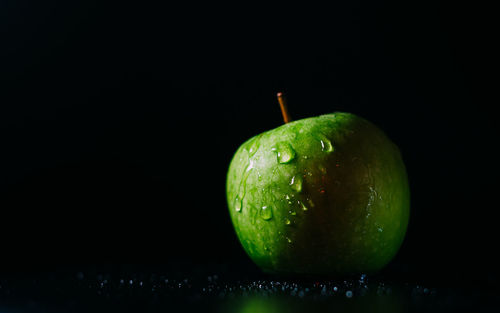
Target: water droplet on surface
pixel 348 294
pixel 326 144
pixel 285 152
pixel 266 213
pixel 238 204
pixel 380 229
pixel 296 183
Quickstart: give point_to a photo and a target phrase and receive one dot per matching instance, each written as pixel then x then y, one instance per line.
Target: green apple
pixel 326 195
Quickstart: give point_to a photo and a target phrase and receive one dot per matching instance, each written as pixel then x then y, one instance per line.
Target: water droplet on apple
pixel 238 204
pixel 250 166
pixel 285 152
pixel 326 144
pixel 266 213
pixel 303 206
pixel 371 198
pixel 253 147
pixel 296 183
pixel 243 185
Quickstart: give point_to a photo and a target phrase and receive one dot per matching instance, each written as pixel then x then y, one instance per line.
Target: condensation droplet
pixel 296 183
pixel 253 147
pixel 250 166
pixel 285 152
pixel 266 213
pixel 303 206
pixel 243 184
pixel 238 204
pixel 326 144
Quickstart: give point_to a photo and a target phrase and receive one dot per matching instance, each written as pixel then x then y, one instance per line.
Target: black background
pixel 119 120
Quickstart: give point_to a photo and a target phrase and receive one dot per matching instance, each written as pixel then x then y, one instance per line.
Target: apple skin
pixel 321 196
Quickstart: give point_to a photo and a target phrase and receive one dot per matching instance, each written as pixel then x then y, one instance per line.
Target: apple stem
pixel 284 108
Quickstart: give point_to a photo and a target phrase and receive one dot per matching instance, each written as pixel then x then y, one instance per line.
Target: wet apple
pixel 325 195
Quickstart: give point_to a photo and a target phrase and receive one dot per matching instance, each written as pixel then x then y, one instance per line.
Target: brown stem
pixel 284 109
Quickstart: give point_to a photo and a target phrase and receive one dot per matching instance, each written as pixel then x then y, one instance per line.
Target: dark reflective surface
pixel 219 288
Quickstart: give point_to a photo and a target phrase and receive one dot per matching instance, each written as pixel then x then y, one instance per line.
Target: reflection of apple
pixel 326 195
